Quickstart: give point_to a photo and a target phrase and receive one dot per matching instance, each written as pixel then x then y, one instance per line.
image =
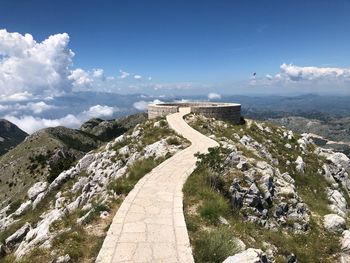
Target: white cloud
pixel 123 74
pixel 31 124
pixel 213 96
pixel 137 77
pixel 3 107
pixel 149 78
pixel 98 73
pixel 142 105
pixel 37 68
pixel 290 72
pixel 98 111
pixel 80 78
pixel 39 107
pixel 20 96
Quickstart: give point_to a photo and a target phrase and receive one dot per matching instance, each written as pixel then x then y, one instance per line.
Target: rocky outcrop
pixel 250 255
pixel 334 223
pixel 265 196
pixel 36 189
pixel 18 236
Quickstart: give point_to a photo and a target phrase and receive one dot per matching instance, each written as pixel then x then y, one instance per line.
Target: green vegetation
pixel 126 183
pixel 206 198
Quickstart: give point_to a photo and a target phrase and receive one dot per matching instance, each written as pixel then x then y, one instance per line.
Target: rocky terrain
pixel 10 136
pixel 65 220
pixel 46 153
pixel 331 132
pixel 267 195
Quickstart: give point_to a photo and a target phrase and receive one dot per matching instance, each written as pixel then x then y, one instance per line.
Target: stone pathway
pixel 149 225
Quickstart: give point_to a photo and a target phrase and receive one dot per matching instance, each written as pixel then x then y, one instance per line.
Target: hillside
pixel 10 136
pixel 266 194
pixel 68 217
pixel 46 153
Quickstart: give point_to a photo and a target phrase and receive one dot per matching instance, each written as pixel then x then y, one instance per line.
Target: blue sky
pixel 191 41
pixel 61 60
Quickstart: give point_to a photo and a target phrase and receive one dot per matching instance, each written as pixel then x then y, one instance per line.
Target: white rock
pixel 23 208
pixel 62 259
pixel 156 149
pixel 104 214
pixel 38 199
pixel 250 255
pixel 36 189
pixel 300 165
pixel 62 178
pixel 84 162
pixel 345 241
pixel 124 150
pixel 334 223
pixel 288 146
pixel 338 202
pixel 340 159
pixel 17 237
pixel 40 234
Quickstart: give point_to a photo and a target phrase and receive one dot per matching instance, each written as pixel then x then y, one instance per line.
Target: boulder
pixel 18 236
pixel 23 208
pixel 334 223
pixel 338 203
pixel 300 165
pixel 345 241
pixel 40 234
pixel 36 189
pixel 250 255
pixel 62 259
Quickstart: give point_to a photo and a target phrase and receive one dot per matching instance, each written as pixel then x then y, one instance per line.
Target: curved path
pixel 149 225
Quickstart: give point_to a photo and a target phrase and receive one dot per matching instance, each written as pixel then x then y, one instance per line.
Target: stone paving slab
pixel 150 226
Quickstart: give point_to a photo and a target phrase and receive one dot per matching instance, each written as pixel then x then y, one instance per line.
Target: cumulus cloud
pixel 20 96
pixel 142 104
pixel 35 107
pixel 98 111
pixel 34 67
pixel 31 124
pixel 123 74
pixel 80 78
pixel 98 73
pixel 214 96
pixel 137 76
pixel 290 72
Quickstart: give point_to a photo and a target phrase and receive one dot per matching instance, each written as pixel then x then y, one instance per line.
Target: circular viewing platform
pixel 217 110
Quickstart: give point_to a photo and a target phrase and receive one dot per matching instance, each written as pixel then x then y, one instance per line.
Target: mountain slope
pixel 10 136
pixel 69 217
pixel 46 153
pixel 267 194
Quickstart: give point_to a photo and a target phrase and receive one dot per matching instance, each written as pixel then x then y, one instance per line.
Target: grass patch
pixel 213 246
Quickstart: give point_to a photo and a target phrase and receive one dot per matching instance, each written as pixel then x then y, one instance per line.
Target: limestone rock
pixel 334 223
pixel 18 236
pixel 338 202
pixel 39 234
pixel 250 255
pixel 36 189
pixel 62 259
pixel 300 165
pixel 23 208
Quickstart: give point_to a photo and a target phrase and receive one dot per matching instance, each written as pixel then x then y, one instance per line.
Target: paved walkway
pixel 149 225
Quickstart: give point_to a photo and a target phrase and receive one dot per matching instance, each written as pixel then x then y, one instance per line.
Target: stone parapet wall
pixel 221 111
